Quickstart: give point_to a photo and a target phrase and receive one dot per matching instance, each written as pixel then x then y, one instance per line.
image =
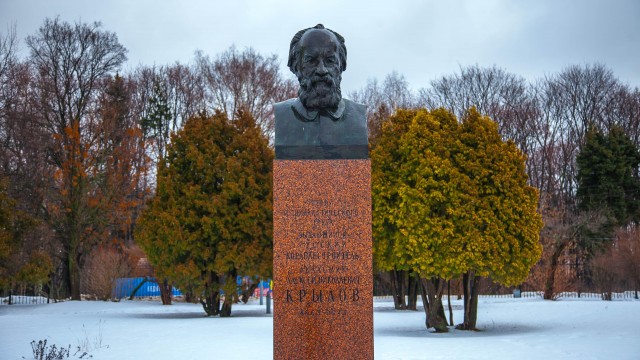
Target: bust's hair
pixel 294 49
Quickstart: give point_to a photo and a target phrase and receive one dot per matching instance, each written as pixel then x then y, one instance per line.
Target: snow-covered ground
pixel 511 329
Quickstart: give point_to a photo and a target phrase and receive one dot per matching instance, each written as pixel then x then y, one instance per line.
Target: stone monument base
pixel 323 283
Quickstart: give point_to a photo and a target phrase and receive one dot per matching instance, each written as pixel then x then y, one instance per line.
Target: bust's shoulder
pixel 353 110
pixel 283 105
pixel 354 104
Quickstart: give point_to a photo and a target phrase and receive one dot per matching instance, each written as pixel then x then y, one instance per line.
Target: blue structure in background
pixel 125 286
pixel 239 281
pixel 265 284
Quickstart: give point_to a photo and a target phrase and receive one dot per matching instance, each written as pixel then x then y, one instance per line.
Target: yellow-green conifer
pixel 450 199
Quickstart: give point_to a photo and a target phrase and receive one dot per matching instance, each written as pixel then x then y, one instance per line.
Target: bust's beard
pixel 320 93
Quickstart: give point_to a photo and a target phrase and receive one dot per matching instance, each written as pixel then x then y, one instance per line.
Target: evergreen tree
pixel 211 218
pixel 156 123
pixel 505 226
pixel 156 132
pixel 449 200
pixel 608 182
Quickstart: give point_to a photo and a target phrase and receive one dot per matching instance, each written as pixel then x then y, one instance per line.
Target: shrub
pixel 102 270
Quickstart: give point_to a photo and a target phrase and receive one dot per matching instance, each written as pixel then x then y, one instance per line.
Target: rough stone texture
pixel 323 288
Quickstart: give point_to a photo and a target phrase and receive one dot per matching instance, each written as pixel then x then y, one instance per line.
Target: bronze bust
pixel 319 124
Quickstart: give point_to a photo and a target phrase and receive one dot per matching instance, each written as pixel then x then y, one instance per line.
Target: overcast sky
pixel 420 39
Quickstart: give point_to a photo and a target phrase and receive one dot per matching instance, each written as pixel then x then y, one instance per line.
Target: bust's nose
pixel 321 69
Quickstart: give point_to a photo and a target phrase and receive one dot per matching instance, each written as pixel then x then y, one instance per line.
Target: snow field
pixel 511 329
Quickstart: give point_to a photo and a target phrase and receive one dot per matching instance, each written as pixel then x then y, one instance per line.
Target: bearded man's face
pixel 319 71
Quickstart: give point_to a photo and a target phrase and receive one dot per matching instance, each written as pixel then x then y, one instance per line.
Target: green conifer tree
pixel 211 218
pixel 608 183
pixel 156 123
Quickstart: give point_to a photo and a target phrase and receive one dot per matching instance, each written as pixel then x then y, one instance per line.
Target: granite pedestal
pixel 323 284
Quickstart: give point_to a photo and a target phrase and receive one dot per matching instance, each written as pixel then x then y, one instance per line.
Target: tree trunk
pixel 211 300
pixel 246 293
pixel 189 297
pixel 166 292
pixel 75 192
pixel 413 292
pixel 394 290
pixel 449 303
pixel 74 275
pixel 550 288
pixel 135 290
pixel 211 303
pixel 403 289
pixel 230 294
pixel 226 306
pixel 470 286
pixel 398 288
pixel 431 292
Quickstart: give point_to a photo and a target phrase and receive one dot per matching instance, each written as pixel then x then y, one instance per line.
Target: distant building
pixel 143 268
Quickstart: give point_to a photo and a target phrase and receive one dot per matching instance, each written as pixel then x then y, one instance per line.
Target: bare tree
pixel 567 104
pixel 185 92
pixel 103 269
pixel 494 92
pixel 179 89
pixel 245 81
pixel 9 74
pixel 625 112
pixel 120 158
pixel 382 100
pixel 617 268
pixel 586 96
pixel 70 61
pixel 489 89
pixel 8 46
pixel 547 147
pixel 628 249
pixel 8 89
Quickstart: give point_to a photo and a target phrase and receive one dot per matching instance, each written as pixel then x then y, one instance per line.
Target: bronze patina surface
pixel 319 123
